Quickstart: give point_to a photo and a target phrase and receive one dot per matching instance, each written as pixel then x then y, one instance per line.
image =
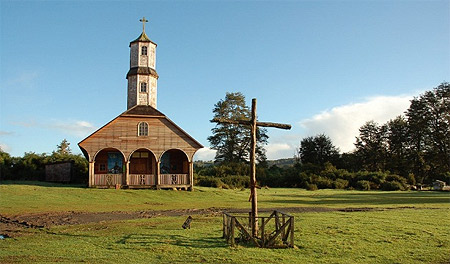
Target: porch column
pixel 157 174
pixel 127 172
pixel 91 173
pixel 191 175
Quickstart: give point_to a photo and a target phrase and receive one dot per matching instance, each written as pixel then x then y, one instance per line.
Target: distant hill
pixel 282 162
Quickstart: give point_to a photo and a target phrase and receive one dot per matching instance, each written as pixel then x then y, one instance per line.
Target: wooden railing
pixel 276 233
pixel 142 179
pixel 107 179
pixel 174 179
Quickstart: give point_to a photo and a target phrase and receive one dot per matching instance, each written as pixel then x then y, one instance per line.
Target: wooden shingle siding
pixel 122 134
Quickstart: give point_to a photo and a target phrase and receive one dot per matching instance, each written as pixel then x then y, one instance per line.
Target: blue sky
pixel 322 66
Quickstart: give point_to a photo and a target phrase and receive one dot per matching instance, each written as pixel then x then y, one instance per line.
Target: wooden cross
pixel 254 124
pixel 143 20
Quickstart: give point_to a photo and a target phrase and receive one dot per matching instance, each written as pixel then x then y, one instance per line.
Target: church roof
pixel 143 110
pixel 147 111
pixel 142 38
pixel 142 70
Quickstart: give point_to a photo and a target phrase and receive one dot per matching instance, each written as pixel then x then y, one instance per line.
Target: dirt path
pixel 16 225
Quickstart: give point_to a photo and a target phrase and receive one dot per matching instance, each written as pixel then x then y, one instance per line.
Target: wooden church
pixel 141 148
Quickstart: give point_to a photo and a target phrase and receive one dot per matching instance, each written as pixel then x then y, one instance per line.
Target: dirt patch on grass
pixel 14 226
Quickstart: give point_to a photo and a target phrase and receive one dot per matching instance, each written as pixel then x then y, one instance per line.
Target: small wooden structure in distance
pixel 59 172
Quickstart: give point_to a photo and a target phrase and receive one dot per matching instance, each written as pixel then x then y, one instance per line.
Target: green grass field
pixel 416 232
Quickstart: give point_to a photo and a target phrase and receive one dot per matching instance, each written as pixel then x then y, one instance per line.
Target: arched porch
pixel 176 171
pixel 108 168
pixel 142 169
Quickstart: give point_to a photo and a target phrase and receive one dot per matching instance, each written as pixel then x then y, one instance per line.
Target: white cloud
pixel 29 123
pixel 279 150
pixel 342 123
pixel 23 80
pixel 205 154
pixel 76 128
pixel 4 147
pixel 6 133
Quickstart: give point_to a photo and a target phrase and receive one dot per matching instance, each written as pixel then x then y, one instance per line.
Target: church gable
pixel 123 133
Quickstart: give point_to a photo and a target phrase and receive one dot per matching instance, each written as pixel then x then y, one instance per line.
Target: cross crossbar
pixel 143 20
pixel 249 123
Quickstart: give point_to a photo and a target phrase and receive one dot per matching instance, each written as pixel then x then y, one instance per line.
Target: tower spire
pixel 142 77
pixel 143 20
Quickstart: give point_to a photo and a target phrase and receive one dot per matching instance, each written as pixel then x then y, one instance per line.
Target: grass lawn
pixel 416 234
pixel 38 197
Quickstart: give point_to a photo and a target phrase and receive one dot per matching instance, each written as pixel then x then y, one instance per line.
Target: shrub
pixel 393 183
pixel 340 184
pixel 394 177
pixel 375 178
pixel 208 181
pixel 411 179
pixel 324 183
pixel 236 181
pixel 311 187
pixel 226 182
pixel 363 185
pixel 392 186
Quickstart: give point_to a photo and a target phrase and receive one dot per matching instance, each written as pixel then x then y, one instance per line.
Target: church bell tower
pixel 142 77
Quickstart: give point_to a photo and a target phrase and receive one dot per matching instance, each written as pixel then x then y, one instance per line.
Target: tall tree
pixel 397 139
pixel 429 128
pixel 6 163
pixel 318 150
pixel 231 141
pixel 63 148
pixel 371 146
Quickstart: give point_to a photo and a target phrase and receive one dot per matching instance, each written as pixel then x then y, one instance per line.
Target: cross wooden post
pixel 254 125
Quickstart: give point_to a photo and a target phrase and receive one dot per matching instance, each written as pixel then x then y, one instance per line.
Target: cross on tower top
pixel 143 20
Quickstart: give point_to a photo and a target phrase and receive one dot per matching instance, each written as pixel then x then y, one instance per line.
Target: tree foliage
pixel 429 129
pixel 410 149
pixel 371 146
pixel 31 166
pixel 63 148
pixel 232 141
pixel 318 150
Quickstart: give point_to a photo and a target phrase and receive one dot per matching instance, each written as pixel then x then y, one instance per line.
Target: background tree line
pixel 410 149
pixel 32 165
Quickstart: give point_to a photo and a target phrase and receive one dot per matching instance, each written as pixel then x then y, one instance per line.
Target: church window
pixel 144 51
pixel 143 87
pixel 143 129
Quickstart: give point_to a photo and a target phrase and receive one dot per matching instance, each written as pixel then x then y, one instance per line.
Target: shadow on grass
pixel 379 198
pixel 44 184
pixel 176 240
pixel 66 234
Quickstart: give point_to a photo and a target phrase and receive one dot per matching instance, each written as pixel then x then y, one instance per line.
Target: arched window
pixel 142 129
pixel 143 87
pixel 144 51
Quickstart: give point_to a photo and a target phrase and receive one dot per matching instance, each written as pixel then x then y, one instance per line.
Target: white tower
pixel 142 77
